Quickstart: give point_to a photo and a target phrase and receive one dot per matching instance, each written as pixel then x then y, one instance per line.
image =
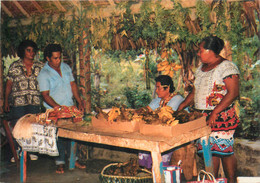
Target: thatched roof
pixel 26 9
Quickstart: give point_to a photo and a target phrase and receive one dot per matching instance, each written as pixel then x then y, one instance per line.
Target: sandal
pixel 60 169
pixel 78 165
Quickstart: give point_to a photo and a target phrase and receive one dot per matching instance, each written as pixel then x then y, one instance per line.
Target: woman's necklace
pixel 164 102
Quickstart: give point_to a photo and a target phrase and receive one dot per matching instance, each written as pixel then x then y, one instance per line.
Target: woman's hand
pixel 7 107
pixel 212 119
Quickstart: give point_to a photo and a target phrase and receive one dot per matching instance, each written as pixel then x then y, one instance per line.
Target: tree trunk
pixel 147 69
pixel 97 86
pixel 87 52
pixel 84 80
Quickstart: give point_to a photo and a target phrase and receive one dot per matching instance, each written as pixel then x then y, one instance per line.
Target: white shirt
pixel 210 87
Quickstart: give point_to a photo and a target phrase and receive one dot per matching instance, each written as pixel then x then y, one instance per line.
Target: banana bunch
pixel 165 112
pixel 166 67
pixel 165 115
pixel 113 114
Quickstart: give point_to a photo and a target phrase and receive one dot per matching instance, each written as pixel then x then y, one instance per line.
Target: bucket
pixel 172 174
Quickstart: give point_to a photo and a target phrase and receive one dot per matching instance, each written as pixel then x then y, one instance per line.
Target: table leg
pixel 73 149
pixel 158 176
pixel 23 160
pixel 207 154
pixel 11 141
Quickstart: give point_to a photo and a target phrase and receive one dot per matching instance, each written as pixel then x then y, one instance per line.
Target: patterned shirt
pixel 25 89
pixel 210 86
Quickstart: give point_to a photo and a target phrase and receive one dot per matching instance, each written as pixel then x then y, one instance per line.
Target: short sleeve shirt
pixel 210 87
pixel 58 86
pixel 173 103
pixel 25 89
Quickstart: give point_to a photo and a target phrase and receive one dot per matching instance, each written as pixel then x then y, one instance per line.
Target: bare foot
pixel 60 169
pixel 78 165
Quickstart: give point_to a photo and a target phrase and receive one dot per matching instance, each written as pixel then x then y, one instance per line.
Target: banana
pixel 167 109
pixel 163 63
pixel 164 54
pixel 161 68
pixel 175 122
pixel 170 121
pixel 168 68
pixel 166 72
pixel 171 74
pixel 113 114
pixel 177 67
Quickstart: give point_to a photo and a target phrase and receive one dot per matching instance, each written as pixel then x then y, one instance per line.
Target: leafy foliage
pixel 137 98
pixel 121 75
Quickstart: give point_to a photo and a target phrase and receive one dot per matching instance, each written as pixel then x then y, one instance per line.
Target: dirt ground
pixel 43 170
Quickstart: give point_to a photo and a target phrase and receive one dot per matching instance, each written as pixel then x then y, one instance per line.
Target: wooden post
pixel 11 141
pixel 85 79
pixel 158 176
pixel 207 154
pixel 73 150
pixel 87 51
pixel 23 168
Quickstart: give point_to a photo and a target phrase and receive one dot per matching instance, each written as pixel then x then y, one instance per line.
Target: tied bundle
pixel 23 127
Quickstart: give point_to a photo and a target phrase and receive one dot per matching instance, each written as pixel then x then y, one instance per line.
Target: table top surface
pixel 81 131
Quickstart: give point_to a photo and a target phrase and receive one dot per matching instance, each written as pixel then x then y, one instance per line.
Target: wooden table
pixel 134 140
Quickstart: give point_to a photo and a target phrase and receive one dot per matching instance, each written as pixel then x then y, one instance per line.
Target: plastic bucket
pixel 172 174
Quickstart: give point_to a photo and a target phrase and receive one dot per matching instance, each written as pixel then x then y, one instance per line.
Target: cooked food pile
pixel 51 116
pixel 164 115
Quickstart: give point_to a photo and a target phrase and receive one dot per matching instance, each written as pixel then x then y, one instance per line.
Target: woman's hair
pixel 51 48
pixel 25 44
pixel 166 80
pixel 213 43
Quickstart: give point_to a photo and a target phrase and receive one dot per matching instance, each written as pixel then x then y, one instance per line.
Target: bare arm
pixel 75 92
pixel 8 90
pixel 48 99
pixel 188 100
pixel 232 85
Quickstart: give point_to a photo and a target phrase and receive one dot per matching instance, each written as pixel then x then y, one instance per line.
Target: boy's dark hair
pixel 51 48
pixel 213 43
pixel 23 45
pixel 166 80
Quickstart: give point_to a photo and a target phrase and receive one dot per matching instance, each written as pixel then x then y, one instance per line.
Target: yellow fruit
pixel 164 54
pixel 161 68
pixel 166 72
pixel 168 68
pixel 171 74
pixel 175 122
pixel 177 67
pixel 163 63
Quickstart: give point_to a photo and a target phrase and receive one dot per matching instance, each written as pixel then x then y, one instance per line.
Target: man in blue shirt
pixel 58 87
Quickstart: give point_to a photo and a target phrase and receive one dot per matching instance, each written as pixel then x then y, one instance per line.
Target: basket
pixel 104 178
